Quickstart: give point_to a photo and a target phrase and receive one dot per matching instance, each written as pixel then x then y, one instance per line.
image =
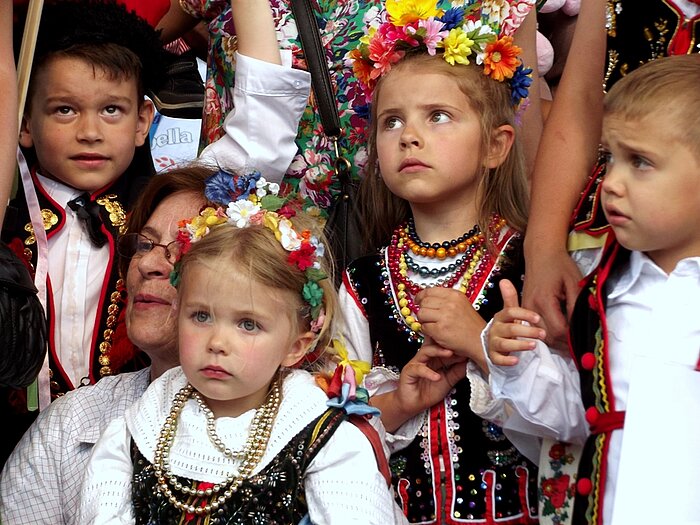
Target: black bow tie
pixel 88 211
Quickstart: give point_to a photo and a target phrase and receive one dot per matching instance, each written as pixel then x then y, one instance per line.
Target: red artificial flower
pixel 304 257
pixel 183 239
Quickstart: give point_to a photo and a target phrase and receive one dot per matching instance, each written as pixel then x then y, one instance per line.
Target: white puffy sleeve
pixel 343 484
pixel 542 395
pixel 380 380
pixel 268 101
pixel 106 489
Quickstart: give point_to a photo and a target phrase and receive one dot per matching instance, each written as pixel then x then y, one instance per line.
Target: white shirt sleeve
pixel 380 380
pixel 542 395
pixel 106 490
pixel 268 101
pixel 33 474
pixel 343 484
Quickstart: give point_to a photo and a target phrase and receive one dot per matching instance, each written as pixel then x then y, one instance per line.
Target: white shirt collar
pixel 58 191
pixel 641 266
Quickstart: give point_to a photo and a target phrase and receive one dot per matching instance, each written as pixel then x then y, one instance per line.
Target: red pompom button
pixel 584 486
pixel 588 361
pixel 592 415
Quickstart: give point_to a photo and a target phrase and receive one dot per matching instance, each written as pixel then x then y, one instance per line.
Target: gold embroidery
pixel 613 57
pixel 49 219
pixel 105 346
pixel 613 9
pixel 117 215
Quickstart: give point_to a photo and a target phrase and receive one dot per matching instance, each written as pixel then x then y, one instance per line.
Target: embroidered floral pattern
pixel 557 485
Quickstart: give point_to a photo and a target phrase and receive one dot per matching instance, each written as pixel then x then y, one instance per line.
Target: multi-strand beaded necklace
pixel 466 259
pixel 251 454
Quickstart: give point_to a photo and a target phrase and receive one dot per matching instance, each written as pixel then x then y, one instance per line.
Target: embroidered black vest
pixel 274 496
pixel 589 344
pixel 110 352
pixel 485 479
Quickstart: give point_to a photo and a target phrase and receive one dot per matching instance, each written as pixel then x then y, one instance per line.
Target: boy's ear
pixel 146 114
pixel 25 134
pixel 299 348
pixel 501 142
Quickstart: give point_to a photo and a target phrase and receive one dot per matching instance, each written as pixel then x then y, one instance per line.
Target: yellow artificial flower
pixel 403 12
pixel 458 46
pixel 366 39
pixel 206 219
pixel 361 368
pixel 271 222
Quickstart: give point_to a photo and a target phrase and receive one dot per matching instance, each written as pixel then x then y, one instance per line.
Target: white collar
pixel 61 193
pixel 640 266
pixel 192 454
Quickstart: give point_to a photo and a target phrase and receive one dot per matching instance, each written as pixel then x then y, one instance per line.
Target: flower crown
pixel 254 201
pixel 480 31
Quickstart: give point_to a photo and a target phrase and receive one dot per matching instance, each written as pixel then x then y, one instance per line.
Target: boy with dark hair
pixel 634 332
pixel 84 121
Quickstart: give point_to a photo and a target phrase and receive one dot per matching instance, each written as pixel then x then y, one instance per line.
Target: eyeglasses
pixel 137 245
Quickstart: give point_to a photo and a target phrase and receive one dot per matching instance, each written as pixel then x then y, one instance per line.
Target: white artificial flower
pixel 289 239
pixel 240 212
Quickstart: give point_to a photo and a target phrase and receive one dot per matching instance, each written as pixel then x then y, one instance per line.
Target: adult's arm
pixel 530 130
pixel 175 23
pixel 268 98
pixel 565 158
pixel 8 109
pixel 31 482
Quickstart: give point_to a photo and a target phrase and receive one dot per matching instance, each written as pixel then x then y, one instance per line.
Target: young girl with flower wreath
pixel 445 196
pixel 240 433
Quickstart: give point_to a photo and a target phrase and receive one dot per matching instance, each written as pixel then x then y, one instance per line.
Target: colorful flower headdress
pixel 254 201
pixel 480 31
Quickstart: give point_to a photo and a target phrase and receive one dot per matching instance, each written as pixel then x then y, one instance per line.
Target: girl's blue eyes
pixel 248 325
pixel 203 317
pixel 200 317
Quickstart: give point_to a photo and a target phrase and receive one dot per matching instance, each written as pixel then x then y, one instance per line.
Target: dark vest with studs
pixel 460 468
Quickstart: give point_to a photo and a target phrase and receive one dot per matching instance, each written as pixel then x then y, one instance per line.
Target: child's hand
pixel 449 319
pixel 508 327
pixel 428 378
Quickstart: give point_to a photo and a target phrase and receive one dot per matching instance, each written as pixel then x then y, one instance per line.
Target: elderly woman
pixel 41 480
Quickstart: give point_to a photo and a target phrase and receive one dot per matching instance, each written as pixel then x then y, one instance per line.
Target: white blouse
pixel 342 483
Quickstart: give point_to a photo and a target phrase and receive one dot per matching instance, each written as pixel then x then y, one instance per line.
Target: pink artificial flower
pixel 434 33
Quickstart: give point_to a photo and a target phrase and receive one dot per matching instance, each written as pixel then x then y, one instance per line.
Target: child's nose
pixel 89 128
pixel 410 137
pixel 612 180
pixel 217 342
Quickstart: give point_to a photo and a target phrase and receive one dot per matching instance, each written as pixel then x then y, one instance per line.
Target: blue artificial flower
pixel 219 186
pixel 244 185
pixel 363 111
pixel 452 18
pixel 358 406
pixel 520 84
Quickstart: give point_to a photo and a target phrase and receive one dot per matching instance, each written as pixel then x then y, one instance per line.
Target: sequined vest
pixel 274 496
pixel 638 31
pixel 589 345
pixel 484 479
